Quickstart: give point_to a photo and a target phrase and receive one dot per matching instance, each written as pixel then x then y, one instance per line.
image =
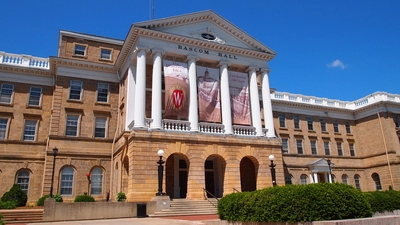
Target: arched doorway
pixel 176 172
pixel 248 173
pixel 214 169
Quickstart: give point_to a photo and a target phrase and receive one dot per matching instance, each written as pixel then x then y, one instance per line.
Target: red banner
pixel 176 89
pixel 240 102
pixel 208 91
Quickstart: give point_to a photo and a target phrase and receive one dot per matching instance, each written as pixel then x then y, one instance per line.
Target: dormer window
pixel 80 50
pixel 105 54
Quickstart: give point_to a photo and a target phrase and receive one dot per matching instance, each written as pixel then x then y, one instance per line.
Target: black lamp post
pixel 55 151
pixel 160 163
pixel 273 175
pixel 330 171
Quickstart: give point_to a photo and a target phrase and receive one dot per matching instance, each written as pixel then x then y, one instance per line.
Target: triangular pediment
pixel 206 26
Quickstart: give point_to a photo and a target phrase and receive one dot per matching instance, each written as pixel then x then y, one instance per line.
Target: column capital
pixel 223 62
pixel 251 67
pixel 265 70
pixel 157 50
pixel 139 48
pixel 195 57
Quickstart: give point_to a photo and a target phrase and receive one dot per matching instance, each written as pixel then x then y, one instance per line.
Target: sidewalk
pixel 176 220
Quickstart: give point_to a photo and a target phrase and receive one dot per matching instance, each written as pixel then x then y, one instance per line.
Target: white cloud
pixel 336 64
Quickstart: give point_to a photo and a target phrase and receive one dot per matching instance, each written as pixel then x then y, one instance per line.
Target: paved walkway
pixel 176 220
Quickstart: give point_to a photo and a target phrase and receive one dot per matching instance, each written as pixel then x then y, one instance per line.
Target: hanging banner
pixel 240 102
pixel 176 89
pixel 208 91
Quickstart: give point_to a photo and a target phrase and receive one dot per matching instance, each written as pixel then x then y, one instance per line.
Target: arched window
pixel 344 179
pixel 288 179
pixel 357 181
pixel 333 178
pixel 96 181
pixel 23 180
pixel 303 179
pixel 377 181
pixel 67 181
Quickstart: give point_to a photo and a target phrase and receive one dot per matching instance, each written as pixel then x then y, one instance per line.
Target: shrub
pixel 57 198
pixel 7 205
pixel 84 198
pixel 1 221
pixel 382 201
pixel 15 194
pixel 295 203
pixel 121 197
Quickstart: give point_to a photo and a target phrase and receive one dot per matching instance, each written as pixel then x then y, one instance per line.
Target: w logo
pixel 177 98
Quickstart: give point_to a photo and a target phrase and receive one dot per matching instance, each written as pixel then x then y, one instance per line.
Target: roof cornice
pixel 55 61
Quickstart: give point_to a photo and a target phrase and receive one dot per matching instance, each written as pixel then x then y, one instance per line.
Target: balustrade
pixel 244 130
pixel 176 125
pixel 211 128
pixel 24 60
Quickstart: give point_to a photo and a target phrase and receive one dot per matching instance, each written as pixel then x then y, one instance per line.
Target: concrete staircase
pixel 181 207
pixel 22 215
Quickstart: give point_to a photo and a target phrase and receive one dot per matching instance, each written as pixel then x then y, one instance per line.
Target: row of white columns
pixel 137 89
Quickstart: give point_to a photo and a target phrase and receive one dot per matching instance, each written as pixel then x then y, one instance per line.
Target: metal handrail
pixel 235 190
pixel 206 197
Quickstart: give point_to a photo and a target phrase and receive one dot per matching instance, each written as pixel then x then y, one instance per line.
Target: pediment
pixel 206 26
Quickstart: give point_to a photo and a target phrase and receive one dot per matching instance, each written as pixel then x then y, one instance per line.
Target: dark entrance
pixel 176 176
pixel 247 175
pixel 214 168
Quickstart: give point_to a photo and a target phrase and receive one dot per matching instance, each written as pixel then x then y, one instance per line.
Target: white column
pixel 140 94
pixel 225 98
pixel 316 177
pixel 193 102
pixel 255 102
pixel 156 101
pixel 311 175
pixel 268 118
pixel 130 97
pixel 329 177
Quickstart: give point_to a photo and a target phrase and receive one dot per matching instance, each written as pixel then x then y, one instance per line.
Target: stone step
pixel 22 215
pixel 180 207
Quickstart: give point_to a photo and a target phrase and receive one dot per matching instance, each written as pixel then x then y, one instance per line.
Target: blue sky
pixel 338 49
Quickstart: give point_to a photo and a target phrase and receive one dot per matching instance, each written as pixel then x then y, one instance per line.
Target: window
pixel 310 123
pixel 80 50
pixel 102 92
pixel 23 180
pixel 285 146
pixel 303 179
pixel 396 120
pixel 299 146
pixel 344 178
pixel 348 129
pixel 357 181
pixel 100 127
pixel 326 147
pixel 67 181
pixel 313 147
pixel 288 179
pixel 96 181
pixel 352 152
pixel 3 128
pixel 296 121
pixel 30 130
pixel 105 54
pixel 377 181
pixel 6 93
pixel 323 124
pixel 35 94
pixel 335 126
pixel 282 122
pixel 339 148
pixel 75 90
pixel 72 125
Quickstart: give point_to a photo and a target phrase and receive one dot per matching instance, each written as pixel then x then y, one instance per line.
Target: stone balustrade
pixel 176 125
pixel 244 130
pixel 211 128
pixel 24 61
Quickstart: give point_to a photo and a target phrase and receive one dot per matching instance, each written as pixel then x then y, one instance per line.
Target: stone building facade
pixel 103 104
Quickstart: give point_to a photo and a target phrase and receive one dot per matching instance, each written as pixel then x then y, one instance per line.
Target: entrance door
pixel 210 187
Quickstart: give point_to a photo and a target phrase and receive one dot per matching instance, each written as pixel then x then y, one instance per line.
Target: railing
pixel 206 194
pixel 24 61
pixel 244 130
pixel 235 190
pixel 176 125
pixel 211 128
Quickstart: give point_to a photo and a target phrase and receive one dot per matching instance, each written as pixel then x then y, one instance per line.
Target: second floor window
pixel 348 128
pixel 6 93
pixel 299 147
pixel 35 94
pixel 310 123
pixel 30 130
pixel 335 126
pixel 100 127
pixel 326 147
pixel 3 128
pixel 296 121
pixel 282 122
pixel 72 125
pixel 285 146
pixel 102 92
pixel 75 90
pixel 339 148
pixel 323 124
pixel 352 151
pixel 313 147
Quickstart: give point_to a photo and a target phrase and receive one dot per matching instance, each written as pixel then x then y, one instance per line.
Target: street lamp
pixel 273 175
pixel 160 163
pixel 330 171
pixel 55 151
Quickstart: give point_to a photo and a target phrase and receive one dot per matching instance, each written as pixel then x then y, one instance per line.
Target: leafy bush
pixel 295 203
pixel 84 198
pixel 1 221
pixel 57 198
pixel 7 205
pixel 382 201
pixel 121 197
pixel 15 194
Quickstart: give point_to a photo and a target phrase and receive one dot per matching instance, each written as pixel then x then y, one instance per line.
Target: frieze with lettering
pixel 204 51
